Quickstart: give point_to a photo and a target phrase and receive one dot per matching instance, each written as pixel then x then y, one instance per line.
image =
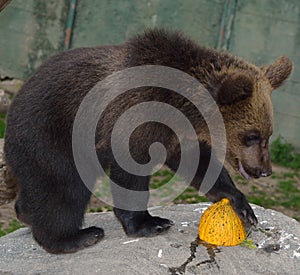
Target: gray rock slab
pixel 277 249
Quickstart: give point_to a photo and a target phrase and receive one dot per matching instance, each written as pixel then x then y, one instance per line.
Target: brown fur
pixel 38 137
pixel 279 70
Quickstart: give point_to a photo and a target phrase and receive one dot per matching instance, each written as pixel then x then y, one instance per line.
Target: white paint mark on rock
pixel 202 209
pixel 185 224
pixel 270 228
pixel 262 243
pixel 159 255
pixel 131 241
pixel 296 254
pixel 285 236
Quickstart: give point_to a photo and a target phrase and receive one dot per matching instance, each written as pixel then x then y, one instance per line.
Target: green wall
pixel 109 22
pixel 263 30
pixel 30 31
pixel 258 30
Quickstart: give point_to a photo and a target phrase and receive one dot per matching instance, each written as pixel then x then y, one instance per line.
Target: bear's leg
pixel 55 212
pixel 131 195
pixel 223 187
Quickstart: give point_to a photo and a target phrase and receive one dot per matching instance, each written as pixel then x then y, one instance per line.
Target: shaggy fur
pixel 52 198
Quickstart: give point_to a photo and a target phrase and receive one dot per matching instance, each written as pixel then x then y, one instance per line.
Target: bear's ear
pixel 278 71
pixel 235 87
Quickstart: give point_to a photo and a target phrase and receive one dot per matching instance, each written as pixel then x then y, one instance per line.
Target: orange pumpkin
pixel 220 225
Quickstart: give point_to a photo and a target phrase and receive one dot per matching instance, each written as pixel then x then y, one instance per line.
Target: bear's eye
pixel 252 139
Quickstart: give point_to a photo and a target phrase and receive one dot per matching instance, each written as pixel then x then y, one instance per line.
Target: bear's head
pixel 244 98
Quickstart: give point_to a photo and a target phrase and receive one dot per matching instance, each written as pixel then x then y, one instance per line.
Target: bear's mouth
pixel 243 171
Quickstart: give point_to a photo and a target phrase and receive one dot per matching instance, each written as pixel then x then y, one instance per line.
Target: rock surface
pixel 177 252
pixel 11 86
pixel 4 102
pixel 7 186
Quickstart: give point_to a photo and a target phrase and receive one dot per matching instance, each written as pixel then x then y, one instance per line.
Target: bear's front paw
pixel 244 210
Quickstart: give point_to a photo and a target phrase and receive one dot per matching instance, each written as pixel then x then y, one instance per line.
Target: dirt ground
pixel 265 185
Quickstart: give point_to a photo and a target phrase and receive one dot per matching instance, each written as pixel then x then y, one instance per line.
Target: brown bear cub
pixel 52 197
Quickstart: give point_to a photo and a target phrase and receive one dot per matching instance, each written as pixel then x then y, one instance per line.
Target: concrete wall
pixel 114 21
pixel 30 31
pixel 262 31
pixel 259 30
